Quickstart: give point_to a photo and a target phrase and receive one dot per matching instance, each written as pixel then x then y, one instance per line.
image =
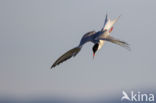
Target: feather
pixel 66 56
pixel 115 41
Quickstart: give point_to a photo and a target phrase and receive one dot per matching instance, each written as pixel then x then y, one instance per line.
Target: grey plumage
pixel 73 52
pixel 87 37
pixel 66 56
pixel 113 40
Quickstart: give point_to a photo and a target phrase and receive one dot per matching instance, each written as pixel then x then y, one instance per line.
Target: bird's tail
pixel 71 53
pixel 109 23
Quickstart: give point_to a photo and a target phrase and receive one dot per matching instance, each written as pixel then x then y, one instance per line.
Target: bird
pixel 97 38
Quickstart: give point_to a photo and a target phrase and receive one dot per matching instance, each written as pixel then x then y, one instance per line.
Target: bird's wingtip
pixel 52 66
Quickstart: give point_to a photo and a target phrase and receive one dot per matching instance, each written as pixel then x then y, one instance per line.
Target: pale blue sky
pixel 34 33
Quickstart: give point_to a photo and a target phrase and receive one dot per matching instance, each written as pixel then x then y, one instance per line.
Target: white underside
pixel 101 43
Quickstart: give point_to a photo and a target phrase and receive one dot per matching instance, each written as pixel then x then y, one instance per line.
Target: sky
pixel 34 33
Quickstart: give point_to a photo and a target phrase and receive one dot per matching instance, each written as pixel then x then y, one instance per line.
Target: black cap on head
pixel 95 47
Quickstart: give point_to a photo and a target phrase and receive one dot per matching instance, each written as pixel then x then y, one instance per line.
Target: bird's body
pixel 101 42
pixel 98 38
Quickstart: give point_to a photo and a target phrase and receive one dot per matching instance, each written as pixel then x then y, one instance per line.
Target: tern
pixel 97 38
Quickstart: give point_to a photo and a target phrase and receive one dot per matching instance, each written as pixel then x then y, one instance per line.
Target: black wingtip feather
pixel 66 56
pixel 52 66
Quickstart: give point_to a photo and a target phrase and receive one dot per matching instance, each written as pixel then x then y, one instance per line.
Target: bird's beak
pixel 93 55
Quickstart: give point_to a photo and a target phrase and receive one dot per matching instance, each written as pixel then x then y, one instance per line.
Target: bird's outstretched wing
pixel 66 56
pixel 115 41
pixel 87 37
pixel 73 52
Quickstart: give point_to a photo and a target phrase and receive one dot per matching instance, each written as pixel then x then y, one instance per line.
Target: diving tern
pixel 98 38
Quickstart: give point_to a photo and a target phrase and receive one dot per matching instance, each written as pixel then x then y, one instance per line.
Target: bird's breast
pixel 101 42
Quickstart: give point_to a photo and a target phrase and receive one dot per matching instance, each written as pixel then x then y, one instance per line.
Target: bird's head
pixel 95 48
